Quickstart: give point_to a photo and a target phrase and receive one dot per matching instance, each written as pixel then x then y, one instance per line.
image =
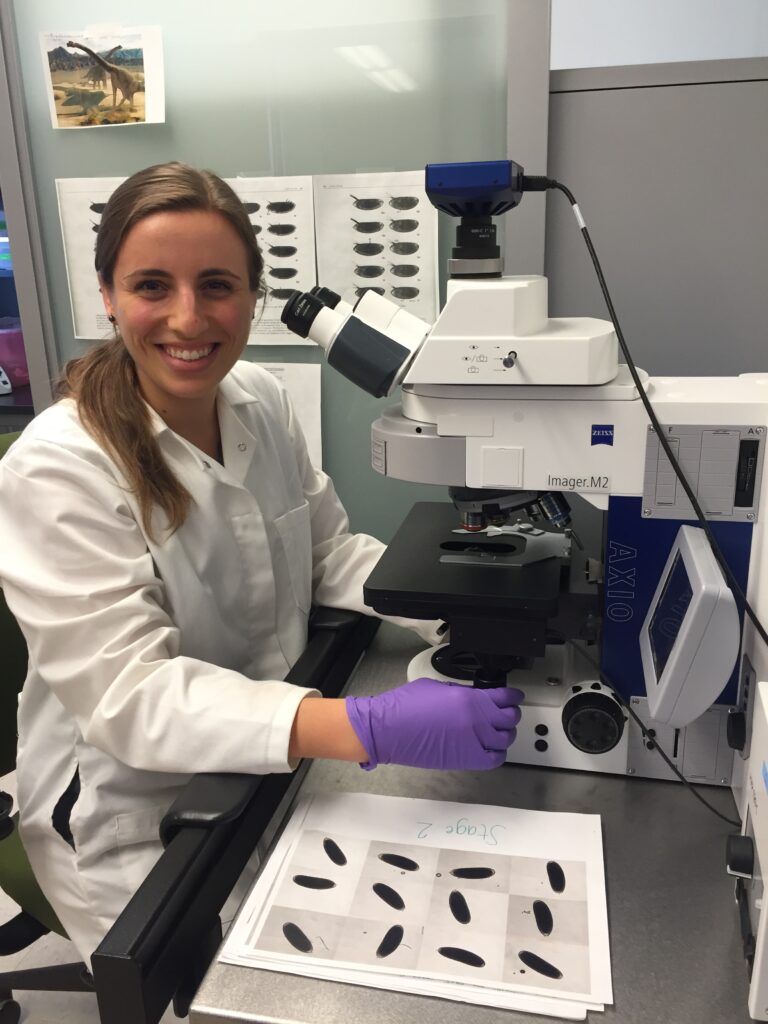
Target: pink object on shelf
pixel 12 356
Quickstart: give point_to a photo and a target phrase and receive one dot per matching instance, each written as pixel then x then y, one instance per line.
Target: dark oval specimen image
pixel 256 229
pixel 367 227
pixel 282 250
pixel 462 956
pixel 556 876
pixel 252 207
pixel 367 204
pixel 283 206
pixel 296 937
pixel 404 225
pixel 543 917
pixel 404 269
pixel 536 963
pixel 391 941
pixel 361 291
pixel 283 272
pixel 282 229
pixel 335 852
pixel 368 248
pixel 388 894
pixel 459 907
pixel 404 248
pixel 403 292
pixel 97 207
pixel 473 872
pixel 404 202
pixel 314 882
pixel 282 293
pixel 397 860
pixel 369 270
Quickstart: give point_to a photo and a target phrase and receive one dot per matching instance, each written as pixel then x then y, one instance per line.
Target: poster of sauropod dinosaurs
pixel 104 76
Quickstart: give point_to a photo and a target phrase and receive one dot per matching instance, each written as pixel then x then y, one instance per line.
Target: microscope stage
pixel 433 569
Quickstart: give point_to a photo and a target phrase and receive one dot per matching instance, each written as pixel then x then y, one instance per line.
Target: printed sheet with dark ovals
pixel 482 916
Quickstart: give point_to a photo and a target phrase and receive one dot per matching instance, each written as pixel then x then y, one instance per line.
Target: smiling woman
pixel 183 318
pixel 165 536
pixel 180 273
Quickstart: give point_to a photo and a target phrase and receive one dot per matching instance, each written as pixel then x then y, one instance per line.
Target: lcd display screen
pixel 669 614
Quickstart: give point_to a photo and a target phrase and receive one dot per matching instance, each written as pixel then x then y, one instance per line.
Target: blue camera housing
pixel 483 188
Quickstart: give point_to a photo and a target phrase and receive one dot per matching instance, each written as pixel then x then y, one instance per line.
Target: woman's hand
pixel 430 724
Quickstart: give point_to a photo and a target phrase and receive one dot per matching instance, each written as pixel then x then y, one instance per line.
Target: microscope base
pixel 563 693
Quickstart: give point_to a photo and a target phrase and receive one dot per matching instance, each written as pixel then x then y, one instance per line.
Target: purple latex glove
pixel 429 724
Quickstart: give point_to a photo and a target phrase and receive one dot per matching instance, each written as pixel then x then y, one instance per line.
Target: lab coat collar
pixel 230 393
pixel 233 394
pixel 238 443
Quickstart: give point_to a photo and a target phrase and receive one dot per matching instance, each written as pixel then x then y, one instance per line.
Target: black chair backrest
pixel 13 668
pixel 13 671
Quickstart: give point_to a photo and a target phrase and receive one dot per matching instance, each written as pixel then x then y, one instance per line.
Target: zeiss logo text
pixel 602 433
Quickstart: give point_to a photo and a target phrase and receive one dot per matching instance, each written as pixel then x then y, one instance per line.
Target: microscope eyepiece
pixel 371 344
pixel 300 311
pixel 326 295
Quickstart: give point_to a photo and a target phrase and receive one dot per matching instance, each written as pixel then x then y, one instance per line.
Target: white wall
pixel 597 33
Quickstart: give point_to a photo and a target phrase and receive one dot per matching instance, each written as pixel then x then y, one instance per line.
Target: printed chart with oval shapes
pixel 378 231
pixel 373 231
pixel 460 894
pixel 281 215
pixel 282 218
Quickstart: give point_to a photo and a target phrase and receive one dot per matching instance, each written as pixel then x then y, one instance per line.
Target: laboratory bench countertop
pixel 19 400
pixel 676 951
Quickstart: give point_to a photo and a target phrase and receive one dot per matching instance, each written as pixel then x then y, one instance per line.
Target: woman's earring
pixel 112 319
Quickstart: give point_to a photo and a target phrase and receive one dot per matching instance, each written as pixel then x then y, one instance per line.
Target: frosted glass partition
pixel 289 88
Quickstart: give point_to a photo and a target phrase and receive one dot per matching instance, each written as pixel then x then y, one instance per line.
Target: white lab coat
pixel 150 661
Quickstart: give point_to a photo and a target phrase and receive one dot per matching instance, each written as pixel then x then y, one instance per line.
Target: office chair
pixel 36 917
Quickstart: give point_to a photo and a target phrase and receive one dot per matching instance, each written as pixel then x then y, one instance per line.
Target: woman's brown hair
pixel 103 382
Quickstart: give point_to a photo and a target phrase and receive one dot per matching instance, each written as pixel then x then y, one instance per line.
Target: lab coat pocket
pixel 62 812
pixel 295 532
pixel 138 842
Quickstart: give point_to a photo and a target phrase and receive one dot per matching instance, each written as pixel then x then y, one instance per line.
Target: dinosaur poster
pixel 104 76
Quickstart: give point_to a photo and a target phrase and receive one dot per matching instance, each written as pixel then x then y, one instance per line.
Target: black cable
pixel 651 738
pixel 540 184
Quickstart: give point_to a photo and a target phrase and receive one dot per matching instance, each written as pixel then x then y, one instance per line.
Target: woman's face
pixel 183 303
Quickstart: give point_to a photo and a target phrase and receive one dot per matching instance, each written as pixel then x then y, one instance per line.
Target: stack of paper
pixel 486 905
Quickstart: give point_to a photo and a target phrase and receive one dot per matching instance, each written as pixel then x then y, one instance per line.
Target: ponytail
pixel 105 387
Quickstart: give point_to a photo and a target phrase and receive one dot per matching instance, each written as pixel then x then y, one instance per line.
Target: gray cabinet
pixel 667 162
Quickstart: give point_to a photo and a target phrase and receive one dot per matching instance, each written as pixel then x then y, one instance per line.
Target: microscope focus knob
pixel 736 730
pixel 740 856
pixel 593 721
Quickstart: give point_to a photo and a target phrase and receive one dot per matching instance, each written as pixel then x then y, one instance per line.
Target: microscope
pixel 513 410
pixel 622 630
